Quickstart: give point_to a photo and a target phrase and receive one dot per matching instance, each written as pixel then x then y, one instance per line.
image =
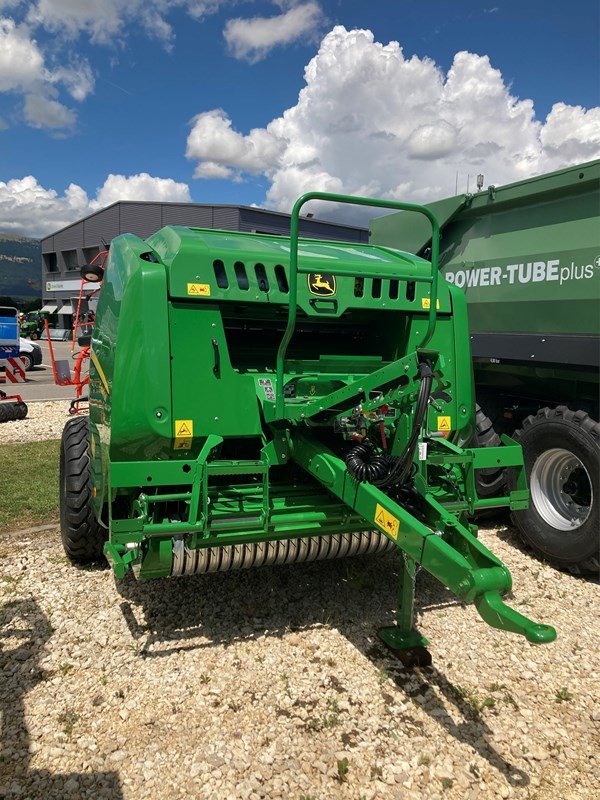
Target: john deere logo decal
pixel 321 284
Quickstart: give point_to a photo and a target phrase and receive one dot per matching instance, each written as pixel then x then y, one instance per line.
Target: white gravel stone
pixel 45 420
pixel 174 689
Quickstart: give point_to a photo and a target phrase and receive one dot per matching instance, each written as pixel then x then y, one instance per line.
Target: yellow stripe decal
pixel 99 370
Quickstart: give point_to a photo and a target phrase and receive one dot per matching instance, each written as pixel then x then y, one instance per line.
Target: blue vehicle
pixel 9 332
pixel 11 406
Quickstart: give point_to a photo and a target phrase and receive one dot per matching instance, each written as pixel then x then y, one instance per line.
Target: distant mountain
pixel 20 267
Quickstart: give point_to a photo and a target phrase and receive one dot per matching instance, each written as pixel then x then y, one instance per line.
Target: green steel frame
pixel 432 278
pixel 153 492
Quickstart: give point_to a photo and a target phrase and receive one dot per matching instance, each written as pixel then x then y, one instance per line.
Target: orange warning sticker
pixel 444 423
pixel 184 433
pixel 387 522
pixel 198 289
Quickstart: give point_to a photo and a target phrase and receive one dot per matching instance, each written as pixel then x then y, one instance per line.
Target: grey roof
pixel 233 206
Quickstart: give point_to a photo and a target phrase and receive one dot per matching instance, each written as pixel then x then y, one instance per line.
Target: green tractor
pixel 262 400
pixel 32 325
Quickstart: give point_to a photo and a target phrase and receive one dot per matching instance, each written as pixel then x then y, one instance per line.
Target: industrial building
pixel 65 251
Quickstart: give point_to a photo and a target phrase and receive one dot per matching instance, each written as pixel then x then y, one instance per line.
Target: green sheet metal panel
pixel 190 255
pixel 527 254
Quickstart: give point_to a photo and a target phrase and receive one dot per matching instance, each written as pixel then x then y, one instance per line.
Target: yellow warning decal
pixel 444 423
pixel 198 289
pixel 386 521
pixel 426 303
pixel 184 432
pixel 100 371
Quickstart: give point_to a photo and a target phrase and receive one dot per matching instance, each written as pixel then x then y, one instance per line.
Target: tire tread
pixel 82 536
pixel 580 419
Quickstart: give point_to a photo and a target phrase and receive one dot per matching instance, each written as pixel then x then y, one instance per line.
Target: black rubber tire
pixel 82 537
pixel 11 410
pixel 34 336
pixel 29 358
pixel 92 272
pixel 578 550
pixel 488 482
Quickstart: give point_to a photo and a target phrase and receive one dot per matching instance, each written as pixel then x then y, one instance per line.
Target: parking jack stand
pixel 403 638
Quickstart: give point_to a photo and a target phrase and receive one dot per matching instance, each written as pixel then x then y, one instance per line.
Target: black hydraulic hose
pixel 401 469
pixel 366 464
pixel 426 375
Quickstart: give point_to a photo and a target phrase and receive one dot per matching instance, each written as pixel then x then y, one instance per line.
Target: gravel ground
pixel 272 684
pixel 45 420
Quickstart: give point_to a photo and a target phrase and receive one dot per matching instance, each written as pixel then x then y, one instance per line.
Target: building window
pixel 70 258
pixel 89 254
pixel 50 262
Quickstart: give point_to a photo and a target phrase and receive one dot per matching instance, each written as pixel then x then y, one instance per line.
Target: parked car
pixel 31 353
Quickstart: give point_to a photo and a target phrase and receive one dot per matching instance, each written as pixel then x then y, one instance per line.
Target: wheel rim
pixel 561 489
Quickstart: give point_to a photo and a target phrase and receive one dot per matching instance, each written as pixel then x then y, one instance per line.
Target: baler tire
pixel 82 537
pixel 488 482
pixel 576 550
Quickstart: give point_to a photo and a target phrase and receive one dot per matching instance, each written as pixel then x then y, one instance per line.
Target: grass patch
pixel 28 484
pixel 563 695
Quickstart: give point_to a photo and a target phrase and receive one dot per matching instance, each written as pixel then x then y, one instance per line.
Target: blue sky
pixel 147 90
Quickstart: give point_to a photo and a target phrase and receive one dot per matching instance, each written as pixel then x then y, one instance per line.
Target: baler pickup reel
pixel 350 438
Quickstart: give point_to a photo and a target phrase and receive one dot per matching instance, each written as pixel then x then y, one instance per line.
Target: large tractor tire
pixel 562 461
pixel 82 537
pixel 488 482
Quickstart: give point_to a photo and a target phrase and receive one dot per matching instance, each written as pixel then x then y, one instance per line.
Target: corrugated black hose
pixel 365 463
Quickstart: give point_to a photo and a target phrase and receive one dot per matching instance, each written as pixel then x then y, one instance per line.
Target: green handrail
pixel 293 297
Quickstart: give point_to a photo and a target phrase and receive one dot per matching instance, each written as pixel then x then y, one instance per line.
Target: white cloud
pixel 41 111
pixel 370 121
pixel 212 134
pixel 140 187
pixel 105 21
pixel 100 19
pixel 211 170
pixel 78 79
pixel 23 70
pixel 252 39
pixel 571 134
pixel 21 62
pixel 28 208
pixel 25 67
